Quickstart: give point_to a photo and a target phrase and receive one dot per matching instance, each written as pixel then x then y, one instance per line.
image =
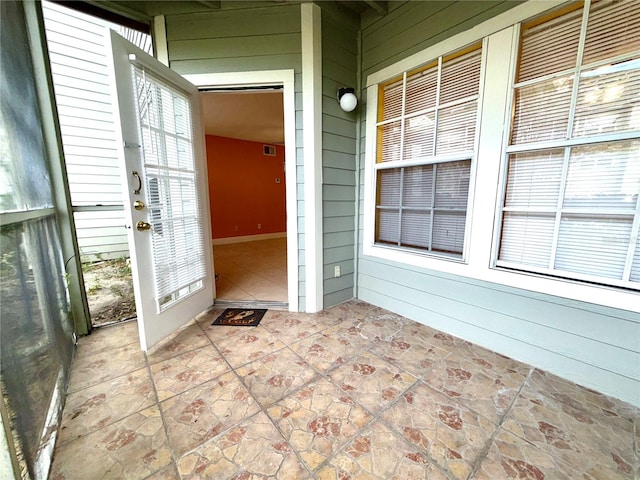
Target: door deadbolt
pixel 143 225
pixel 138 205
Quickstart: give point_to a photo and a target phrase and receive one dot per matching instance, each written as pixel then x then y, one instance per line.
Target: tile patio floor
pixel 354 392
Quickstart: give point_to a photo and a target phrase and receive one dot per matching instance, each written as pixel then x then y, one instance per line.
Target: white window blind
pixel 426 138
pixel 170 177
pixel 571 205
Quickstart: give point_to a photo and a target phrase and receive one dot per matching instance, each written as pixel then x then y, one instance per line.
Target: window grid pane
pixel 412 136
pixel 608 103
pixel 559 36
pixel 424 207
pixel 613 27
pixel 542 111
pixel 421 90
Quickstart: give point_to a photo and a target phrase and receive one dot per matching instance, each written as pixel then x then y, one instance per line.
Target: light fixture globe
pixel 347 99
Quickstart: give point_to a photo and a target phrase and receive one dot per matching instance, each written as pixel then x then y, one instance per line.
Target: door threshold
pixel 251 304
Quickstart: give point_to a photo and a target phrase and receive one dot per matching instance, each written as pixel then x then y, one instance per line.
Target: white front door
pixel 164 182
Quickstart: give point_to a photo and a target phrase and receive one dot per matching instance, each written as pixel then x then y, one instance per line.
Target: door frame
pixel 286 78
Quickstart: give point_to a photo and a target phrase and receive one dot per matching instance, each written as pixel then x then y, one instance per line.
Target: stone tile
pixel 575 396
pixel 132 448
pixel 216 333
pixel 331 317
pixel 107 338
pixel 451 435
pixel 254 343
pixel 252 450
pixel 432 336
pixel 380 324
pixel 93 408
pixel 349 329
pixel 275 376
pixel 371 381
pixel 184 340
pixel 318 420
pixel 575 425
pixel 423 333
pixel 351 310
pixel 199 414
pixel 326 351
pixel 292 327
pixel 100 367
pixel 511 457
pixel 478 384
pixel 360 332
pixel 491 361
pixel 182 372
pixel 379 454
pixel 168 473
pixel 410 353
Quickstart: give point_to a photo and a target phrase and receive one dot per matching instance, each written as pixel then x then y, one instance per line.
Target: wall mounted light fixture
pixel 347 99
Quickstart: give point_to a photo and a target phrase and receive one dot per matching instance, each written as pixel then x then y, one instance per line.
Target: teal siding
pixel 235 40
pixel 415 26
pixel 245 39
pixel 590 344
pixel 339 69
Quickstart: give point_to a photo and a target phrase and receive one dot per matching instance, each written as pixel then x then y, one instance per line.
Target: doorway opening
pixel 76 42
pixel 244 129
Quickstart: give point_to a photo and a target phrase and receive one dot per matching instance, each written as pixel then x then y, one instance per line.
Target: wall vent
pixel 269 150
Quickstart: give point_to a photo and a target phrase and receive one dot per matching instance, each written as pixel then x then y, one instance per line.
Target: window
pixel 571 200
pixel 425 145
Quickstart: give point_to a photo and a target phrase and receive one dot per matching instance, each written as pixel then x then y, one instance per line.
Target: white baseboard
pixel 248 238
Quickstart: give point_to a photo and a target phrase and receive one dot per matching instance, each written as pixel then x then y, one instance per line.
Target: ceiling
pixel 144 9
pixel 244 115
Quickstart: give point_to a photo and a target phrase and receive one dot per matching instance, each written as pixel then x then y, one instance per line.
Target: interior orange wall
pixel 242 188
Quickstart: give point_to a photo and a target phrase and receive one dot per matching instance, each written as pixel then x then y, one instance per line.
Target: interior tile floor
pixel 353 392
pixel 254 270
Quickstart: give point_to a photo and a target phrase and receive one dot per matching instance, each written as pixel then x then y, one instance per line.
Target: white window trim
pixel 438 159
pixel 487 172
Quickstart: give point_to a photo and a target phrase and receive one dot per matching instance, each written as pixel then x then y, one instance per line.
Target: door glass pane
pixel 172 197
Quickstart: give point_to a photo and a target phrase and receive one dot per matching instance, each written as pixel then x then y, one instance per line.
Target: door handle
pixel 143 226
pixel 137 190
